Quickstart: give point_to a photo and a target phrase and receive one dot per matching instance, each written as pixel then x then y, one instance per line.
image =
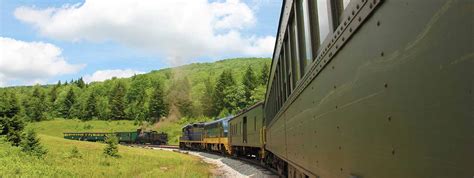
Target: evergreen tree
pixel 157 107
pixel 225 81
pixel 112 146
pixel 9 105
pixel 37 106
pixel 91 107
pixel 208 106
pixel 250 83
pixel 3 103
pixel 14 127
pixel 234 97
pixel 68 103
pixel 264 74
pixel 117 102
pixel 3 127
pixel 31 144
pixel 65 83
pixel 80 83
pixel 53 94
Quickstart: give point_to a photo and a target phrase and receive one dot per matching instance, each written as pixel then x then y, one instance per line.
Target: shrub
pixel 31 145
pixel 74 153
pixel 112 147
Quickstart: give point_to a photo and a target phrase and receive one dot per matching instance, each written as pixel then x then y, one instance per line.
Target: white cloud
pixel 102 75
pixel 178 29
pixel 31 62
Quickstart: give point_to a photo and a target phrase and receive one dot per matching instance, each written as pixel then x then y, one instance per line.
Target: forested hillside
pixel 194 90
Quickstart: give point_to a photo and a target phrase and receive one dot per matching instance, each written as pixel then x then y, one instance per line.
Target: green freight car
pixel 246 132
pixel 139 137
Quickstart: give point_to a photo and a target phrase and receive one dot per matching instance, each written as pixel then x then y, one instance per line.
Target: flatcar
pixel 138 137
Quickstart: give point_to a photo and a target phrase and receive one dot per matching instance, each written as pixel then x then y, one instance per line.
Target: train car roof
pixel 219 120
pixel 193 124
pixel 247 109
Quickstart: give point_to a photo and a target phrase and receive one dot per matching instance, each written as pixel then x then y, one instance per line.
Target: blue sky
pixel 46 41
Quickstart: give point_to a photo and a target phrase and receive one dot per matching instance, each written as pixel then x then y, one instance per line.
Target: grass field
pixel 134 162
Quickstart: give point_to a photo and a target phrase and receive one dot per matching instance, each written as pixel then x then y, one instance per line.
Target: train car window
pixel 290 63
pixel 294 53
pixel 304 27
pixel 323 19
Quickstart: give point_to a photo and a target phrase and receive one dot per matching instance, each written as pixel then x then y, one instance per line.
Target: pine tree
pixel 250 83
pixel 157 107
pixel 91 107
pixel 31 144
pixel 208 106
pixel 14 127
pixel 80 83
pixel 112 146
pixel 264 75
pixel 53 94
pixel 9 105
pixel 3 127
pixel 117 102
pixel 225 81
pixel 68 103
pixel 37 106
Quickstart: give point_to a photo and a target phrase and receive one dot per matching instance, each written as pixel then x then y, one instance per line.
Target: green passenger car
pixel 246 130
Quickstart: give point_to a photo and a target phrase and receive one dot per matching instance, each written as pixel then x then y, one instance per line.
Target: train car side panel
pixel 395 101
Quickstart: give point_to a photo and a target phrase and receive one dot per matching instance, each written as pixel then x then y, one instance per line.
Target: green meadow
pixel 60 161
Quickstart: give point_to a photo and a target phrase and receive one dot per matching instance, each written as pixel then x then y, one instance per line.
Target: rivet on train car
pixel 336 107
pixel 337 126
pixel 378 23
pixel 357 6
pixel 389 118
pixel 375 1
pixel 350 29
pixel 332 67
pixel 386 85
pixel 341 169
pixel 360 19
pixel 343 39
pixel 337 46
pixel 371 6
pixel 381 54
pixel 334 86
pixel 353 12
pixel 393 151
pixel 340 147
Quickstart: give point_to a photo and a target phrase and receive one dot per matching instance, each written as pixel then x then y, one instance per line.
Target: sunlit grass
pixel 134 162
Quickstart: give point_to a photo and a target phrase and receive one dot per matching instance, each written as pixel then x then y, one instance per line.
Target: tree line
pixel 140 98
